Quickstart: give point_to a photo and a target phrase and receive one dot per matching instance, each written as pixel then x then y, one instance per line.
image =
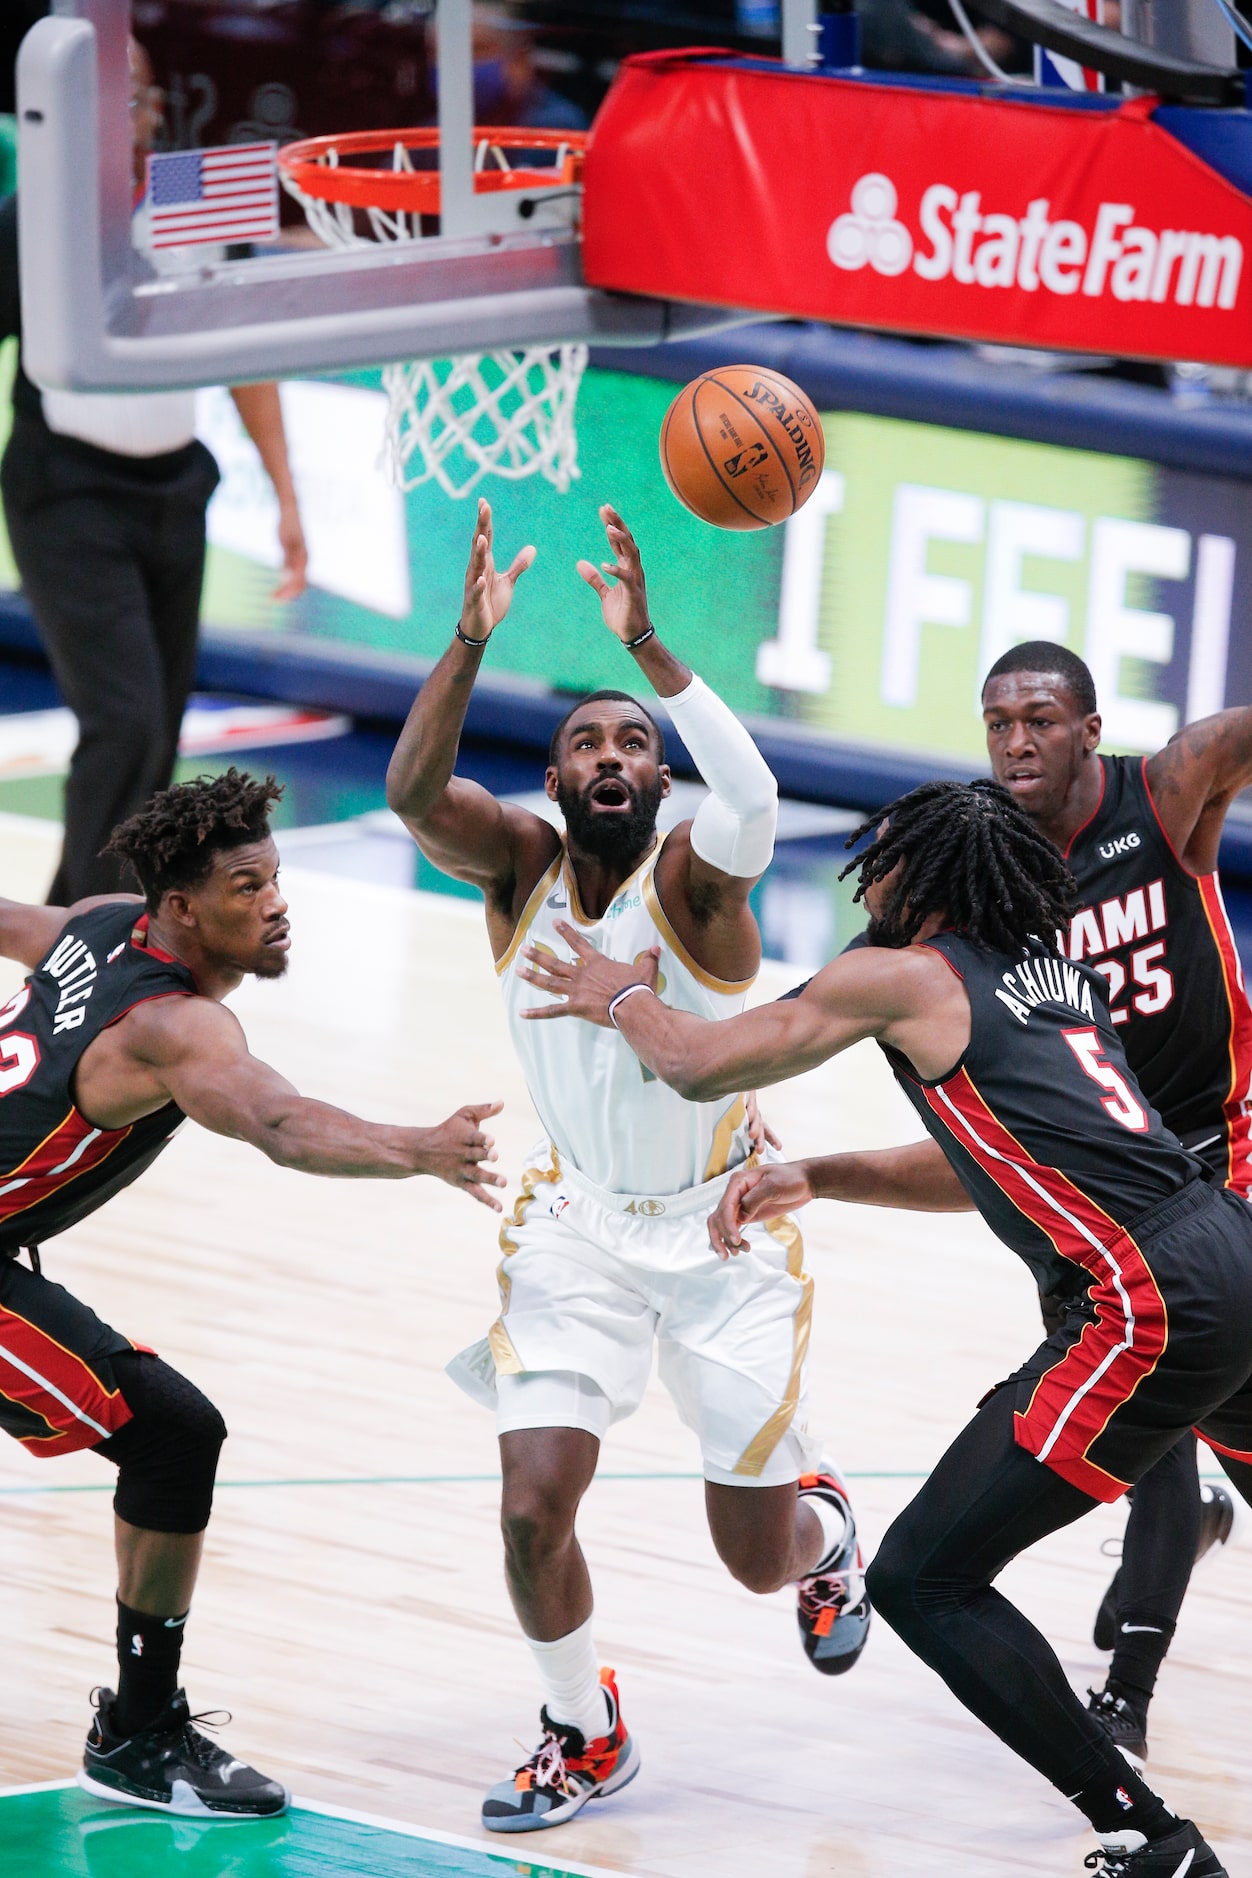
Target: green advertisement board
pixel 871 616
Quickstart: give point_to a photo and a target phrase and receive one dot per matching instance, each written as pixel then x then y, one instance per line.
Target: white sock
pixel 833 1524
pixel 569 1672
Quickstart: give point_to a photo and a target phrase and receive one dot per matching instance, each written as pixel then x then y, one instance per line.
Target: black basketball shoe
pixel 1125 1726
pixel 1217 1516
pixel 1184 1854
pixel 171 1766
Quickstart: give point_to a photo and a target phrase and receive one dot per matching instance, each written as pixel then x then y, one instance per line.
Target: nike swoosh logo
pixel 556 901
pixel 1155 1630
pixel 1186 1864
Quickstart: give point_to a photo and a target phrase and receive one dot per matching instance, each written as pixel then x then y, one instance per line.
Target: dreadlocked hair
pixel 172 843
pixel 968 851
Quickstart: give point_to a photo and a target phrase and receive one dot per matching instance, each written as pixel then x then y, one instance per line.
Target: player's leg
pixel 732 1355
pixel 1164 1534
pixel 932 1581
pixel 81 574
pixel 550 1425
pixel 68 1381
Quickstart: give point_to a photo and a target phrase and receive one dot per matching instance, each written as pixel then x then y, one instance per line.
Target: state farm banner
pixel 915 210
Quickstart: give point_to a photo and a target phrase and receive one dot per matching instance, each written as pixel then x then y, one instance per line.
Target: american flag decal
pixel 225 194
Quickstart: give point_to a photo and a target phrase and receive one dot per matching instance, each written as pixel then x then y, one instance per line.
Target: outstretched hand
pixel 624 605
pixel 588 982
pixel 458 1151
pixel 488 594
pixel 761 1193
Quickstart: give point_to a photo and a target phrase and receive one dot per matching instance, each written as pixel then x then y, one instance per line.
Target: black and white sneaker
pixel 171 1766
pixel 1184 1854
pixel 1125 1727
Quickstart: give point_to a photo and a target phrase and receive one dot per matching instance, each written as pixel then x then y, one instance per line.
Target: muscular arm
pixel 193 1052
pixel 457 824
pixel 28 933
pixel 1196 777
pixel 908 998
pixel 917 1178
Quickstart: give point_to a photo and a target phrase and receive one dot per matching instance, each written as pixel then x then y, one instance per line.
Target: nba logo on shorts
pixel 560 1205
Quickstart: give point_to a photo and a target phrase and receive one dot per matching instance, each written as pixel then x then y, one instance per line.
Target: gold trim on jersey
pixel 546 881
pixel 763 1443
pixel 505 1357
pixel 723 1136
pixel 571 882
pixel 731 987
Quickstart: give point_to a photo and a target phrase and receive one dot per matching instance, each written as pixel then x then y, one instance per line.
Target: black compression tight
pixel 986 1501
pixel 1162 1533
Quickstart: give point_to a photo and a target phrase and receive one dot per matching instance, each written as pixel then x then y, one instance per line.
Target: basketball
pixel 742 447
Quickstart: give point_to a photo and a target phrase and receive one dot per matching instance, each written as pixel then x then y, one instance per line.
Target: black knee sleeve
pixel 166 1455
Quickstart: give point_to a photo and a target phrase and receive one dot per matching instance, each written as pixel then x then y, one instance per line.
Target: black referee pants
pixel 111 555
pixel 932 1580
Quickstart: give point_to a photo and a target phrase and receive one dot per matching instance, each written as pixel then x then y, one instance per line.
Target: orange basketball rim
pixel 336 169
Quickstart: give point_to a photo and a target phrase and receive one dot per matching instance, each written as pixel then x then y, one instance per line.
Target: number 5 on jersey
pixel 1120 1102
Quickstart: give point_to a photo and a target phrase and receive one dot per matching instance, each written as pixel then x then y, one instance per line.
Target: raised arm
pixel 457 824
pixel 710 864
pixel 1196 777
pixel 193 1052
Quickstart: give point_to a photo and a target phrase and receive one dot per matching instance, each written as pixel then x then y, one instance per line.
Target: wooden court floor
pixel 352 1612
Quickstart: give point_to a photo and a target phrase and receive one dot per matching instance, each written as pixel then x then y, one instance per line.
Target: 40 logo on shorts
pixel 647 1209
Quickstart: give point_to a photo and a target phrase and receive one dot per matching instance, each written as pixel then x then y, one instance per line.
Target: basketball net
pixel 453 421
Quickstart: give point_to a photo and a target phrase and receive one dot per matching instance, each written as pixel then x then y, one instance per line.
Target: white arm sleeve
pixel 734 826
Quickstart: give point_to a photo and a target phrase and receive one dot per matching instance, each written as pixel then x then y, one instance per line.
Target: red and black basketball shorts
pixel 1160 1342
pixel 58 1391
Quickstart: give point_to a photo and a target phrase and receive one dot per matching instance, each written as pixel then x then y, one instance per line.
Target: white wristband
pixel 619 997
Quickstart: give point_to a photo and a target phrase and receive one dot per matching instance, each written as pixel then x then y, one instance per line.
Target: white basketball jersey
pixel 606 1115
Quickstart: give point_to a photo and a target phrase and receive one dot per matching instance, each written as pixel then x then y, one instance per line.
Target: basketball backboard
pixel 98 317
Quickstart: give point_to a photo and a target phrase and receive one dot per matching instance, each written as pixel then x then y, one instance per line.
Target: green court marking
pixel 60 1832
pixel 416 1480
pixel 453 1480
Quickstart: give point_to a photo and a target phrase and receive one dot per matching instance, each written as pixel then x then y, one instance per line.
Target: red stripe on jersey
pixel 73 1148
pixel 1234 1454
pixel 1073 1402
pixel 43 1376
pixel 1237 1107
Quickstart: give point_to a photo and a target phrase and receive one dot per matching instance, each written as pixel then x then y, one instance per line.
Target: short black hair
pixel 966 850
pixel 1041 655
pixel 173 842
pixel 596 697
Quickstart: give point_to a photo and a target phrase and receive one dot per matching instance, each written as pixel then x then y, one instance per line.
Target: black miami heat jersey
pixel 1042 1119
pixel 55 1166
pixel 1161 937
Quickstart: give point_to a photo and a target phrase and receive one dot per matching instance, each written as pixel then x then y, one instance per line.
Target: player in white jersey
pixel 605 1253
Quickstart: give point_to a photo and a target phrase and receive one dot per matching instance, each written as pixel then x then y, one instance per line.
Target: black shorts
pixel 1159 1343
pixel 58 1390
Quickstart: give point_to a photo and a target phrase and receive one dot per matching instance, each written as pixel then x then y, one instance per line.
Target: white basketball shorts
pixel 588 1282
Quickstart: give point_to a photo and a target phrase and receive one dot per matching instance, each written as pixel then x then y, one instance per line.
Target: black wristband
pixel 632 645
pixel 466 640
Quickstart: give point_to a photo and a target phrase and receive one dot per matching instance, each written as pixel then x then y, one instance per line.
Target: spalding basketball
pixel 742 447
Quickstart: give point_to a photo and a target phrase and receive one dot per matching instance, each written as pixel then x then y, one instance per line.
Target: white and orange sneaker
pixel 832 1607
pixel 564 1772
